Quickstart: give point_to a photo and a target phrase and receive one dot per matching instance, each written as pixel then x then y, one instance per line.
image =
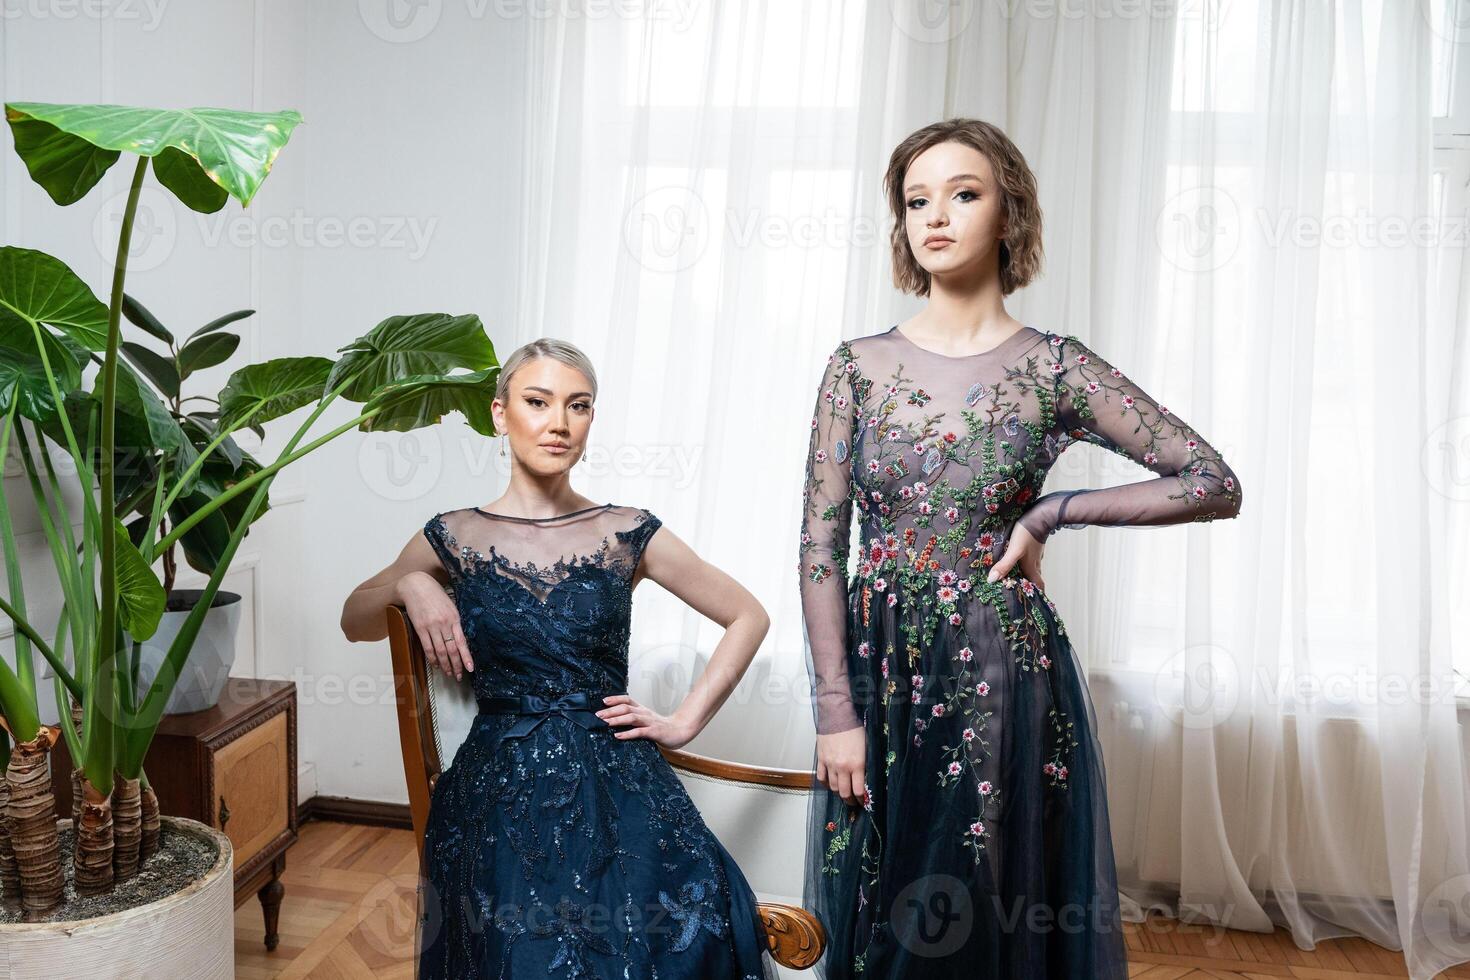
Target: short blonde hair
pixel 560 350
pixel 1020 252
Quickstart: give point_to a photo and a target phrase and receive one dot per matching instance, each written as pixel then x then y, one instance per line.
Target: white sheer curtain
pixel 1222 185
pixel 1280 718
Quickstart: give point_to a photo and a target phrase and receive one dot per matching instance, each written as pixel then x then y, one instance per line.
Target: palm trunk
pixel 127 828
pixel 9 871
pixel 32 810
pixel 76 797
pixel 76 773
pixel 149 807
pixel 92 844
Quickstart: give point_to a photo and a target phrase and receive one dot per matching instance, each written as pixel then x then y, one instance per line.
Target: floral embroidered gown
pixel 553 848
pixel 981 845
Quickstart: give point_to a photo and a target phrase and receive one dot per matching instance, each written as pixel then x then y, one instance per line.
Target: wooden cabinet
pixel 232 766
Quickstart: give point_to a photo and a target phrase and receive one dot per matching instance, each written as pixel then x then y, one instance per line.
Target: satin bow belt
pixel 579 706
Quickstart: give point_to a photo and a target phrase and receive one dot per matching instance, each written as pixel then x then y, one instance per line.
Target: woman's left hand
pixel 623 710
pixel 1022 550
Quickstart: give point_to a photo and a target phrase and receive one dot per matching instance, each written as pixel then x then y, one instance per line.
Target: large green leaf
pixel 139 593
pixel 197 152
pixel 41 289
pixel 415 402
pixel 23 378
pixel 279 386
pixel 25 374
pixel 404 346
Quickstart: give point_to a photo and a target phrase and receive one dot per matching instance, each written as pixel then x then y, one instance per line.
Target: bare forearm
pixel 364 615
pixel 727 665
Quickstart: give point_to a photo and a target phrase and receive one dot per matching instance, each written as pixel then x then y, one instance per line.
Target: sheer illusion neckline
pixel 537 520
pixel 1025 328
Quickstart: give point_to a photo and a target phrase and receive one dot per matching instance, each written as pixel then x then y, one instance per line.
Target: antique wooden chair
pixel 758 814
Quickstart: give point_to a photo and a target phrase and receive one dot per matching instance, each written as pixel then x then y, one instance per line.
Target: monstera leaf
pixel 405 346
pixel 415 402
pixel 202 155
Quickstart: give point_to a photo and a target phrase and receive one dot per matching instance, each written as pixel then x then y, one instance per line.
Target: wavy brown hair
pixel 1020 251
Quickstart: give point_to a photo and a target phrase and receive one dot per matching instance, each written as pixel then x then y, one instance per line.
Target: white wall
pixel 392 197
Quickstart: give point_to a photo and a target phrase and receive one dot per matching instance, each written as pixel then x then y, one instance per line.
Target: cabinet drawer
pixel 251 803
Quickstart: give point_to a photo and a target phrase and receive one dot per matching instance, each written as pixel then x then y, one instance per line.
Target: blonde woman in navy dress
pixel 560 843
pixel 961 830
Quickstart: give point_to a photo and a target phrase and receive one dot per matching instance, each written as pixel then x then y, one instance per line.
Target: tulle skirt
pixel 571 853
pixel 981 847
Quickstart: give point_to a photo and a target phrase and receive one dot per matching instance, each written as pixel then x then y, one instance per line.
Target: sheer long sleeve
pixel 1096 403
pixel 825 529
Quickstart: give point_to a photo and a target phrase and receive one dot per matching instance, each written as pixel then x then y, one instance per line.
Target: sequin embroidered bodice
pixel 545 604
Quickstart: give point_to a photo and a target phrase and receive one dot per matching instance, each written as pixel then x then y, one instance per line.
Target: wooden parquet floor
pixel 348 914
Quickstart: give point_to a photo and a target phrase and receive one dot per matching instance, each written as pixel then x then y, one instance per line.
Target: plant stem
pixel 98 727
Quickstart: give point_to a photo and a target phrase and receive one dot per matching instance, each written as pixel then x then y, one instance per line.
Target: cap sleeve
pixel 637 537
pixel 439 540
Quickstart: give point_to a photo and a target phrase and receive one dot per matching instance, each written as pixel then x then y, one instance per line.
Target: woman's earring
pixel 503 441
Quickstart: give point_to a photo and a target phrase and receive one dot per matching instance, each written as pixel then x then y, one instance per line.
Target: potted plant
pixel 53 327
pixel 139 464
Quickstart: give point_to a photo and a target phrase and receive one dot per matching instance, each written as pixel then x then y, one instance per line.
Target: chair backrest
pixel 758 814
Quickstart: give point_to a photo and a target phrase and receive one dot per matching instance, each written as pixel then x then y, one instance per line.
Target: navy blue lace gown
pixel 553 848
pixel 981 845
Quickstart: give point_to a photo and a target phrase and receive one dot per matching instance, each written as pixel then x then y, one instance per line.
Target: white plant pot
pixel 208 666
pixel 190 933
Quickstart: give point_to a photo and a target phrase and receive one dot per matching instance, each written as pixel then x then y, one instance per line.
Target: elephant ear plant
pixel 52 328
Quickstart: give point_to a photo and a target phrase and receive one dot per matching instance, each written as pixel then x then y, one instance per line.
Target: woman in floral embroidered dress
pixel 961 830
pixel 560 843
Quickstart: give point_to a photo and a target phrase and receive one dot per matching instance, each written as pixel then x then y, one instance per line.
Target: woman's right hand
pixel 841 757
pixel 436 620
